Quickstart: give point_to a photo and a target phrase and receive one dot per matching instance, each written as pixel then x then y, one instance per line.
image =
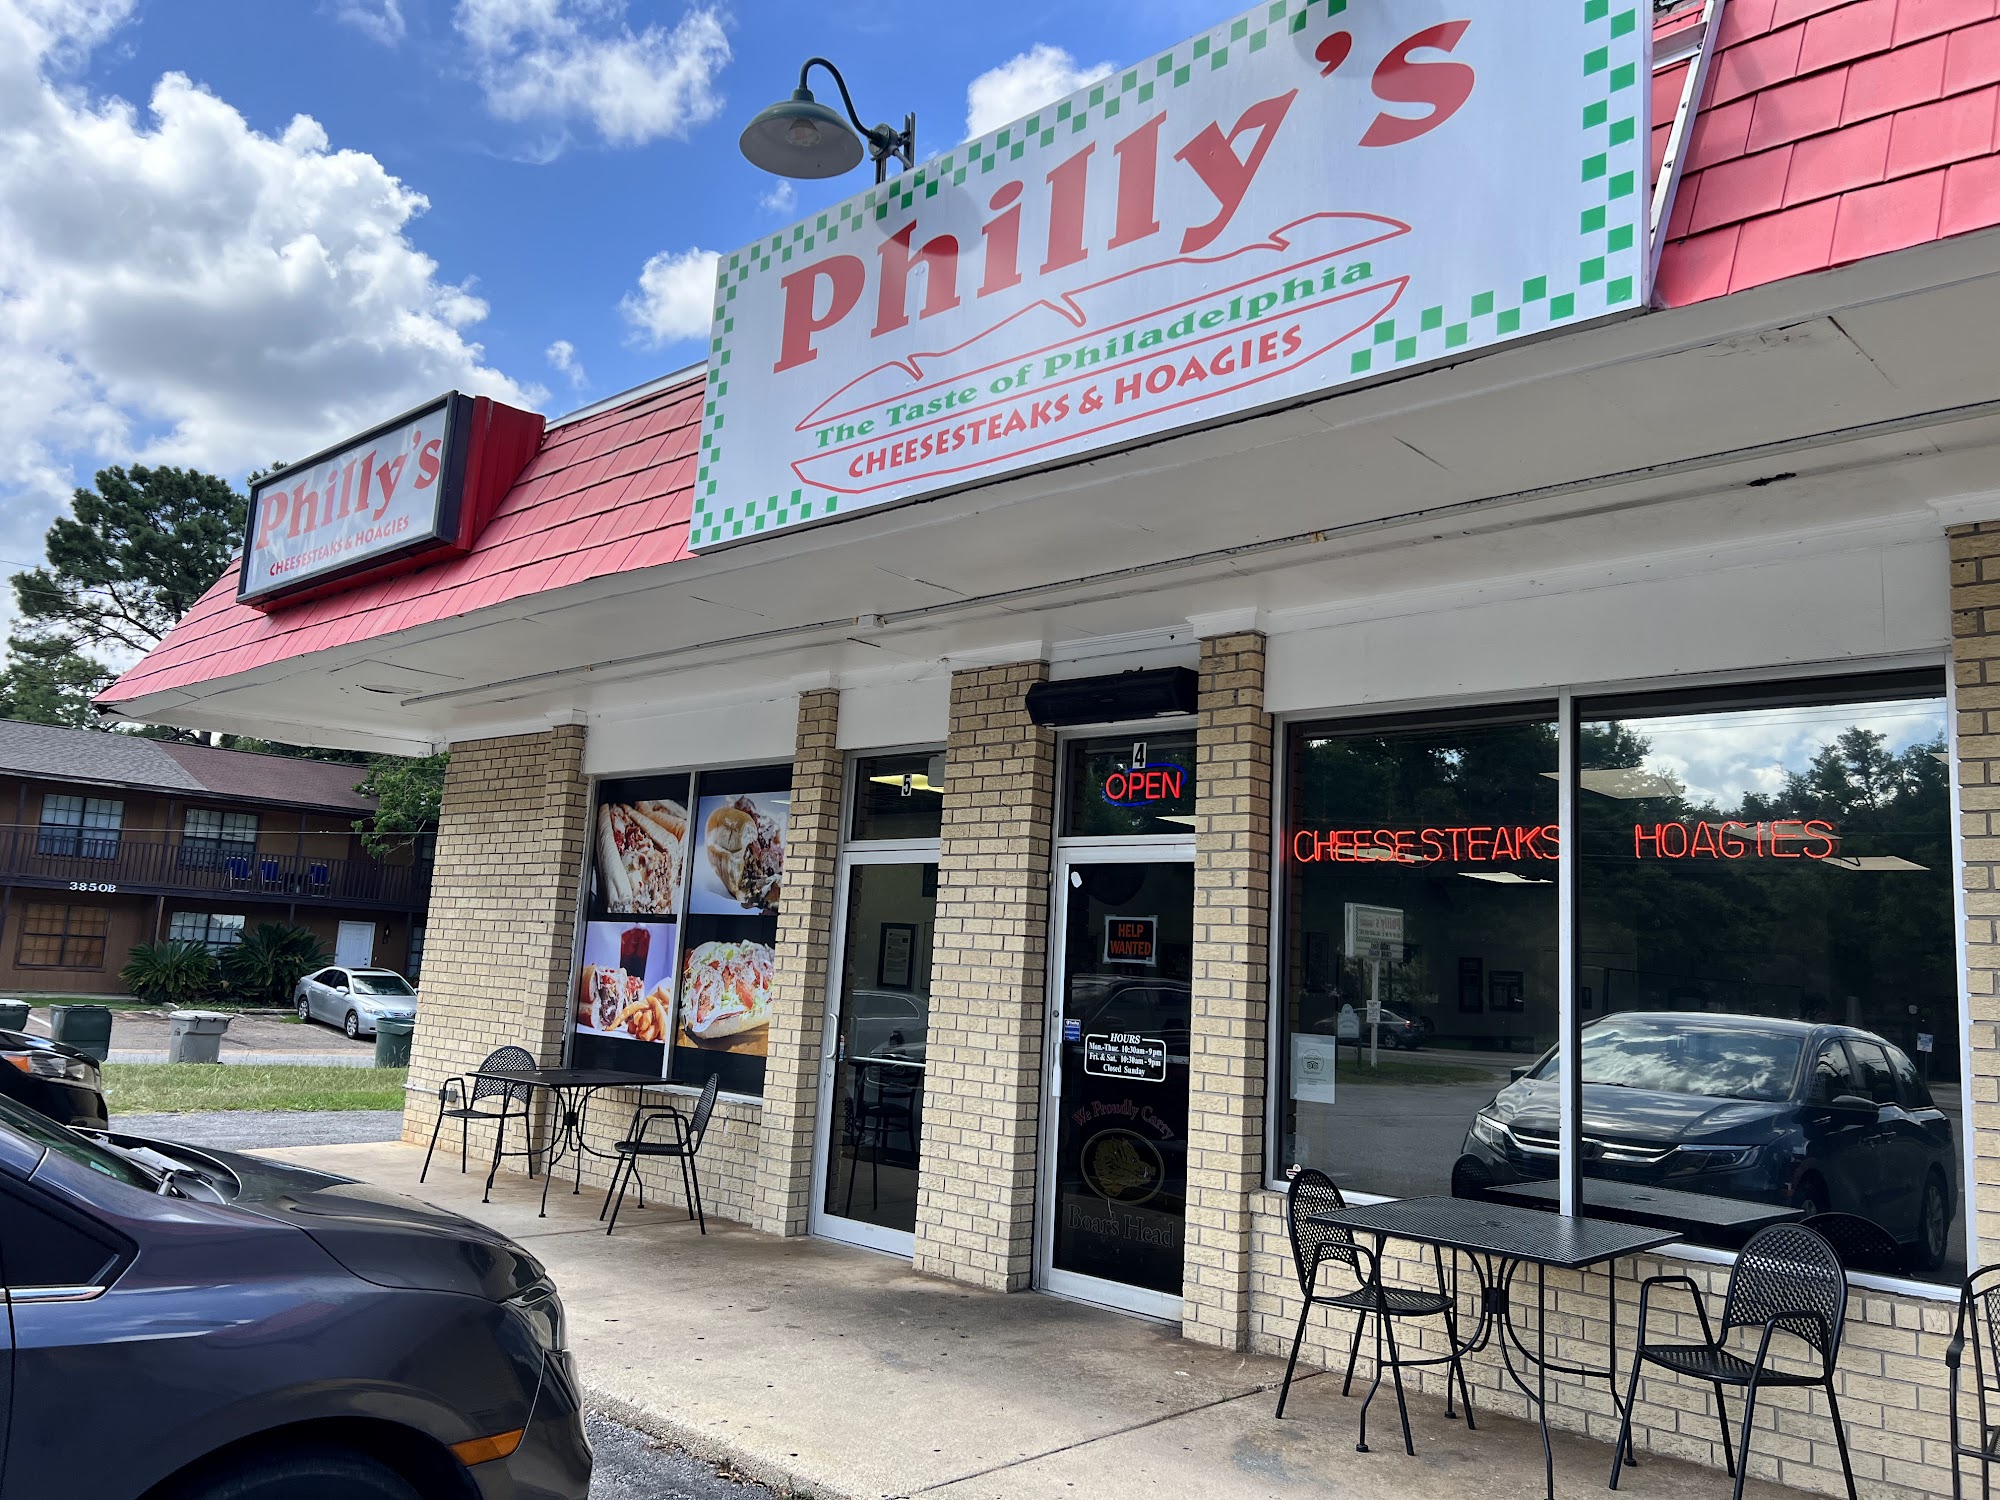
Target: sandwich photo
pixel 728 991
pixel 610 1000
pixel 746 853
pixel 639 851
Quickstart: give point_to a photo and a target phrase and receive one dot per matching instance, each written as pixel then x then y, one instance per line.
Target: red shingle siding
pixel 1834 130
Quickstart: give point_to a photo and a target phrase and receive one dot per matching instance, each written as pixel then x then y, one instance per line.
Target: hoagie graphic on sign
pixel 727 994
pixel 745 845
pixel 640 846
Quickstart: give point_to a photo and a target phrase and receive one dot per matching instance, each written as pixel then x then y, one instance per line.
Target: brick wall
pixel 1232 876
pixel 502 921
pixel 1975 628
pixel 798 986
pixel 1891 1375
pixel 982 1100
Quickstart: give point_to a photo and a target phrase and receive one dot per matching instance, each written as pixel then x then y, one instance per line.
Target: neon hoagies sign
pixel 1474 844
pixel 1302 197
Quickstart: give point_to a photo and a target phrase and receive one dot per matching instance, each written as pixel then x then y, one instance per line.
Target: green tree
pixel 410 795
pixel 129 560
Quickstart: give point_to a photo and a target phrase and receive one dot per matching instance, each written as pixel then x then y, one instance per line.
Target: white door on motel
pixel 355 947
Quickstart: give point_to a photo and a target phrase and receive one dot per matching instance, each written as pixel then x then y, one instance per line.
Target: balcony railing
pixel 206 867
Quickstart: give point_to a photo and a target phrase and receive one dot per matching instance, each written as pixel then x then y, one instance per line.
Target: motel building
pixel 1247 620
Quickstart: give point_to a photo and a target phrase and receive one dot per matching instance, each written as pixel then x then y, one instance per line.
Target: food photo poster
pixel 740 853
pixel 639 847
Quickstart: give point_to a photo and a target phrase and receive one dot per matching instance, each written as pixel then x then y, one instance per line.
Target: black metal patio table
pixel 1637 1203
pixel 571 1089
pixel 1499 1239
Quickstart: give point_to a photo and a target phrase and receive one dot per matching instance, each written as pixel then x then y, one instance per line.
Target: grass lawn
pixel 183 1088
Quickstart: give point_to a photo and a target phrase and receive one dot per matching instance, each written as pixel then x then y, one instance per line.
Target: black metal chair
pixel 689 1131
pixel 877 1107
pixel 1978 1329
pixel 1787 1279
pixel 1861 1244
pixel 468 1098
pixel 1317 1245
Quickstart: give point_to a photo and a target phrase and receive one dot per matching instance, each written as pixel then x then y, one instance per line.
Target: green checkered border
pixel 1606 279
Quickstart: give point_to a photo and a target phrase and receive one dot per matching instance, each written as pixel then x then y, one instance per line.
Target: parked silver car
pixel 354 999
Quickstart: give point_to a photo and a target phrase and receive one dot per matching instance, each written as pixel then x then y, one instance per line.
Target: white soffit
pixel 722 734
pixel 877 715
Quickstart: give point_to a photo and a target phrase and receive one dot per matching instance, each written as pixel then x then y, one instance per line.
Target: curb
pixel 703 1444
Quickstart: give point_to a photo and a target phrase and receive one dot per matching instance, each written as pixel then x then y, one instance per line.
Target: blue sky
pixel 190 274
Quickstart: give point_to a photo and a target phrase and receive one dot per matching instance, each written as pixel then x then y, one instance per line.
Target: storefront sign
pixel 1305 197
pixel 1785 838
pixel 414 489
pixel 1122 1054
pixel 1476 844
pixel 1142 786
pixel 1132 940
pixel 1373 931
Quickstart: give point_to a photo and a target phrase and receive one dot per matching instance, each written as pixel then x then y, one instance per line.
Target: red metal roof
pixel 606 494
pixel 1832 130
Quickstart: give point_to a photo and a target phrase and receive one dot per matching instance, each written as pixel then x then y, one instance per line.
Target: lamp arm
pixel 867 132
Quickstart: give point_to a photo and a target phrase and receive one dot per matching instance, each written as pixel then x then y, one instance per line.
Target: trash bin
pixel 195 1036
pixel 85 1027
pixel 392 1042
pixel 13 1015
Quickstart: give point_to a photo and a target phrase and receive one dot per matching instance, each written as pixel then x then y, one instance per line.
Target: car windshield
pixel 381 984
pixel 1670 1055
pixel 81 1149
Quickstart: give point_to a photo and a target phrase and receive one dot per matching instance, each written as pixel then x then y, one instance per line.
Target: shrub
pixel 170 973
pixel 265 967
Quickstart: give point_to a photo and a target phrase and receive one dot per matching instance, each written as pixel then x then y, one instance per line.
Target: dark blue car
pixel 1816 1117
pixel 237 1330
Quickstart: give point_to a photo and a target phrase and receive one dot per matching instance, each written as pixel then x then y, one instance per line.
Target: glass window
pixel 899 796
pixel 416 964
pixel 62 937
pixel 380 984
pixel 214 930
pixel 1124 784
pixel 80 827
pixel 1419 954
pixel 211 838
pixel 1767 876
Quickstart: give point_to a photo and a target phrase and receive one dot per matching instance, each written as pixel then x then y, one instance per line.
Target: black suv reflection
pixel 1816 1117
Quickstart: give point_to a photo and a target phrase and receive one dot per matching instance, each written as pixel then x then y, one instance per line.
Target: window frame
pixel 1774 687
pixel 208 920
pixel 64 938
pixel 211 850
pixel 81 839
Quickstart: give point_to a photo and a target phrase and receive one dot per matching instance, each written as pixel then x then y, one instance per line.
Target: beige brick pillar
pixel 1232 916
pixel 502 922
pixel 1975 626
pixel 989 979
pixel 799 984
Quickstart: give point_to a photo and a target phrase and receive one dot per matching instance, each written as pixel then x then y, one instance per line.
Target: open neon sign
pixel 1142 786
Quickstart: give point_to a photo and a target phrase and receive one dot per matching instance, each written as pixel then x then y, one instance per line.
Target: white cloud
pixel 675 300
pixel 1021 85
pixel 562 354
pixel 781 200
pixel 176 287
pixel 555 61
pixel 381 22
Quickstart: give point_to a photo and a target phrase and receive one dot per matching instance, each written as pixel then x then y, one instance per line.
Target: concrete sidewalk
pixel 840 1373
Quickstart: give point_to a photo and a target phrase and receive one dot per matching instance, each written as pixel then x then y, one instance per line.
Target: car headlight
pixel 543 1311
pixel 1492 1132
pixel 1713 1158
pixel 55 1065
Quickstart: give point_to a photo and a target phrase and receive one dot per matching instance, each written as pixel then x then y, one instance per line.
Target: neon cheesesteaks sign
pixel 1487 843
pixel 1308 196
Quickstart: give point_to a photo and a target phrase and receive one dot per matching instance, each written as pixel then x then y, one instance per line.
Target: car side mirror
pixel 342 988
pixel 1853 1104
pixel 1515 1075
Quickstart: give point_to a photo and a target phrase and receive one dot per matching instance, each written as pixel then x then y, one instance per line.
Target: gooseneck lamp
pixel 800 137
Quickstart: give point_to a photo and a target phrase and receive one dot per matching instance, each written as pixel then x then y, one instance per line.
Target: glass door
pixel 878 1011
pixel 1116 1202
